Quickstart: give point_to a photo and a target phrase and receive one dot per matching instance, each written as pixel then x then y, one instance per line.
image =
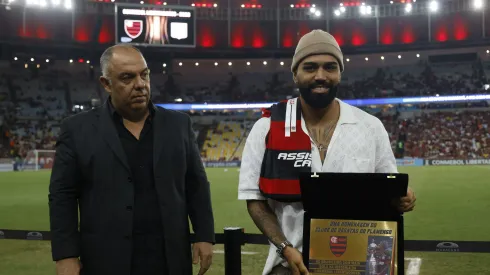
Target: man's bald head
pixel 106 57
pixel 126 77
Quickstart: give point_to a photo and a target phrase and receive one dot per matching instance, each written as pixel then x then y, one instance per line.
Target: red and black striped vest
pixel 288 153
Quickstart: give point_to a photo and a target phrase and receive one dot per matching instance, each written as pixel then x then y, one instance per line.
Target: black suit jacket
pixel 91 172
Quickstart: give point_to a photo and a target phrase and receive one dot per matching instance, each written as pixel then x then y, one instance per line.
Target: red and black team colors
pixel 288 152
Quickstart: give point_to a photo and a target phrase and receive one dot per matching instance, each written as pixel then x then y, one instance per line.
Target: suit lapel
pixel 160 136
pixel 109 133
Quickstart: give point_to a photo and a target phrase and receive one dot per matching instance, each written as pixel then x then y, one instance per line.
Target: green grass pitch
pixel 452 204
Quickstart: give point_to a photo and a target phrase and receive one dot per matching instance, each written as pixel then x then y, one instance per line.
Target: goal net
pixel 38 160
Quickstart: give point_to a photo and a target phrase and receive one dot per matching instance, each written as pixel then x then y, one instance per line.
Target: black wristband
pixel 281 247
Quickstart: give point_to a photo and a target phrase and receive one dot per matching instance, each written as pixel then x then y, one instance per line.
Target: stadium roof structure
pixel 234 30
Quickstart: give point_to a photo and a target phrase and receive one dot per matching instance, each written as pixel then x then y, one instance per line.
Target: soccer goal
pixel 38 160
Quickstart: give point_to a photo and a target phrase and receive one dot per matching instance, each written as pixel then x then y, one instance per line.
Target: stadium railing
pixel 234 238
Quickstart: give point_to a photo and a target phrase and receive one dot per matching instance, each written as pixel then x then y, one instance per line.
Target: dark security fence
pixel 234 238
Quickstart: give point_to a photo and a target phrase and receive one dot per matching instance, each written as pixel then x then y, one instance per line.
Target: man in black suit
pixel 135 173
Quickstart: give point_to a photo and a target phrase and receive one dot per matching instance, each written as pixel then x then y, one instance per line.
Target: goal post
pixel 38 160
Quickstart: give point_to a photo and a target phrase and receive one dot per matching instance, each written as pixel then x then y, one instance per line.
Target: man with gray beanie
pixel 315 132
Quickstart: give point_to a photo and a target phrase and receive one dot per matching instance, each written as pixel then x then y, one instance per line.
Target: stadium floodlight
pixel 408 8
pixel 25 65
pixel 164 65
pixel 366 59
pixel 348 60
pixel 265 62
pixel 339 11
pixel 47 60
pixel 478 4
pixel 142 2
pixel 215 63
pixel 71 60
pixel 248 63
pixel 164 3
pixel 229 63
pixel 88 61
pixel 15 58
pixel 68 4
pixel 382 58
pixel 215 5
pixel 180 63
pixel 55 2
pixel 32 59
pixel 43 3
pixel 391 2
pixel 193 4
pixel 197 64
pixel 292 6
pixel 433 6
pixel 488 51
pixel 316 12
pixel 399 56
pixel 38 66
pixel 486 86
pixel 365 10
pixel 113 0
pixel 282 63
pixel 418 55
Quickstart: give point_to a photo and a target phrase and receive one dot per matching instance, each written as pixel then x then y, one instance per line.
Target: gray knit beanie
pixel 317 42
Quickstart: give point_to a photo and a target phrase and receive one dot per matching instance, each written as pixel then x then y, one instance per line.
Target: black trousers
pixel 148 255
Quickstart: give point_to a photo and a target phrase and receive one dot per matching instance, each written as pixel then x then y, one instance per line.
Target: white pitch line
pixel 243 252
pixel 414 266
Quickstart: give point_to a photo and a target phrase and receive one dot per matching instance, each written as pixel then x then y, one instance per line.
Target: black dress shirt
pixel 148 242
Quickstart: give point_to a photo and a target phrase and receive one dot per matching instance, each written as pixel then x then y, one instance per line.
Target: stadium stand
pixel 418 79
pixel 442 135
pixel 223 141
pixel 34 100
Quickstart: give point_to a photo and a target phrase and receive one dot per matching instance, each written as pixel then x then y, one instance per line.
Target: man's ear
pixel 295 78
pixel 106 83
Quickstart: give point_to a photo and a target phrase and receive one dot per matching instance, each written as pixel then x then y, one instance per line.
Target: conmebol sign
pixel 441 162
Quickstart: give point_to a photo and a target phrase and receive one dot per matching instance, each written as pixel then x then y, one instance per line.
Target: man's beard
pixel 316 100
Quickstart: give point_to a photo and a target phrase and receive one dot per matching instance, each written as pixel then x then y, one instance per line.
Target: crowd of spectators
pixel 32 106
pixel 441 135
pixel 397 81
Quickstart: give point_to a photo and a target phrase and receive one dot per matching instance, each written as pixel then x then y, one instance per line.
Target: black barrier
pixel 233 250
pixel 234 237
